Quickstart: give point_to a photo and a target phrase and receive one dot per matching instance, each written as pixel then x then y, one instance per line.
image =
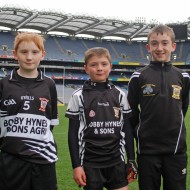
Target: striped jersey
pixel 26 114
pixel 101 115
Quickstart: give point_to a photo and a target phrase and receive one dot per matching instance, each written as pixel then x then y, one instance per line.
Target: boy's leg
pixel 116 177
pixel 14 173
pixel 175 172
pixel 44 177
pixel 94 179
pixel 149 172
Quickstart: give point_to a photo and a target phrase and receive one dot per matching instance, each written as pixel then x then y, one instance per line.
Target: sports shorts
pixel 18 174
pixel 113 177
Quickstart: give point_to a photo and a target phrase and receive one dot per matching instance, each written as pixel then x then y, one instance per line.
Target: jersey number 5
pixel 26 105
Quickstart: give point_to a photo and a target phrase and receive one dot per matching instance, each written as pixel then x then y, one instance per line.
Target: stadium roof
pixel 50 21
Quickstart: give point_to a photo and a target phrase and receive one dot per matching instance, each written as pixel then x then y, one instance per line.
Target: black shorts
pixel 112 177
pixel 17 174
pixel 171 168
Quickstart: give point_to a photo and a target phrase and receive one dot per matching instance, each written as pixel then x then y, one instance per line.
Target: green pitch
pixel 64 169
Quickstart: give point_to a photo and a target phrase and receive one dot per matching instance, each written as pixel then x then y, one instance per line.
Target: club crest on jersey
pixel 148 89
pixel 43 104
pixel 116 112
pixel 91 113
pixel 176 91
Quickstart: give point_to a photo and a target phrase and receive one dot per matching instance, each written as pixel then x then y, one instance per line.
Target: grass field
pixel 64 169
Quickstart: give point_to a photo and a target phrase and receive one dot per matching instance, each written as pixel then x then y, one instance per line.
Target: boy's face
pixel 160 47
pixel 28 56
pixel 98 68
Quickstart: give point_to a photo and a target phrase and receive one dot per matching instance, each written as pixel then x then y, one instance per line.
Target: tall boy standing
pixel 159 97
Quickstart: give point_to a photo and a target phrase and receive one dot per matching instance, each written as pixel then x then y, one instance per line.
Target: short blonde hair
pixel 97 51
pixel 29 37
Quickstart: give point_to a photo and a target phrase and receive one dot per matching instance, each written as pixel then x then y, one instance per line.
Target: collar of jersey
pixel 13 76
pixel 90 83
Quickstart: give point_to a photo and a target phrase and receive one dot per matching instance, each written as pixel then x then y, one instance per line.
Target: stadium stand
pixel 65 53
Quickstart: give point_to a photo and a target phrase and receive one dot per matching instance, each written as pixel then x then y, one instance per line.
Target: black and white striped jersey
pixel 101 115
pixel 26 114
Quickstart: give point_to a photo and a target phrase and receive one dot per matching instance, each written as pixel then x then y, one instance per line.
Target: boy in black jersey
pixel 28 111
pixel 99 131
pixel 159 97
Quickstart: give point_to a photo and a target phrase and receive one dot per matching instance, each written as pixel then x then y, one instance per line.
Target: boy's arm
pixel 73 142
pixel 129 139
pixel 185 95
pixel 54 107
pixel 133 99
pixel 131 166
pixel 78 172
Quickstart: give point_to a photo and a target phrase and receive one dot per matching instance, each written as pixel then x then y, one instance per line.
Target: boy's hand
pixel 79 176
pixel 131 170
